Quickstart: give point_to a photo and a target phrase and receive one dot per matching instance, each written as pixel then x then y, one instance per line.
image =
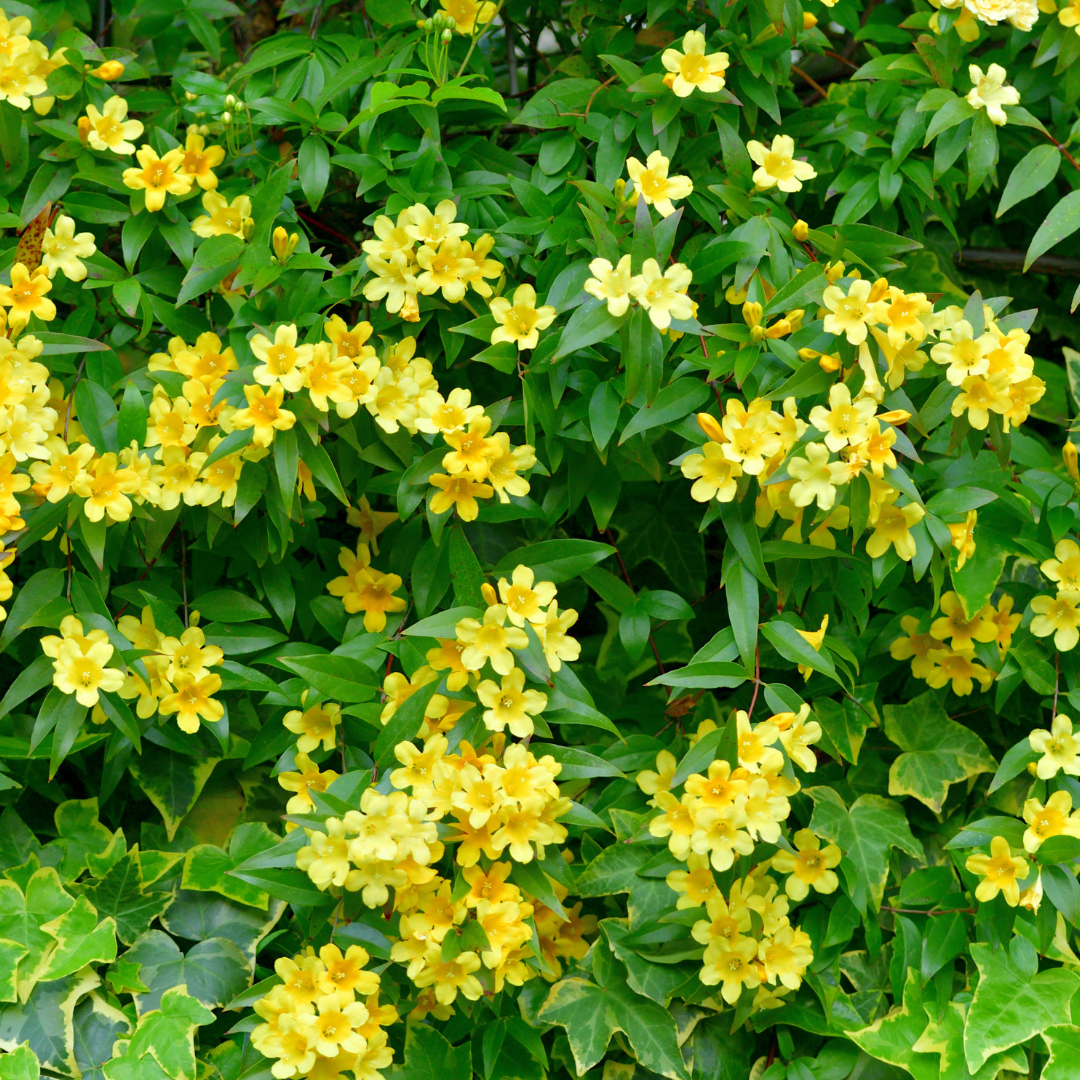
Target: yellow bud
pixel 711 426
pixel 834 271
pixel 779 329
pixel 829 363
pixel 800 230
pixel 1032 766
pixel 669 80
pixel 808 354
pixel 734 296
pixel 284 244
pixel 795 317
pixel 421 24
pixel 879 289
pixel 189 96
pixel 1068 455
pixel 751 313
pixel 808 21
pixel 757 333
pixel 895 416
pixel 487 590
pixel 110 70
pixel 84 129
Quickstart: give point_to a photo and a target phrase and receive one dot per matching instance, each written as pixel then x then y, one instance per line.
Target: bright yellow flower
pixel 653 184
pixel 106 488
pixel 893 527
pixel 844 422
pixel 557 644
pixel 714 475
pixel 443 268
pixel 963 538
pixel 451 977
pixel 1058 747
pixel 351 343
pixel 394 281
pixel 960 669
pixel 110 129
pixel 19 79
pixel 503 470
pixel 315 725
pixel 84 673
pixel 26 296
pixel 510 705
pixel 439 415
pixel 1059 616
pixel 851 313
pixel 962 631
pixel 524 596
pixel 460 493
pixel 611 284
pixel 732 966
pixel 63 248
pixel 786 956
pixel 999 871
pixel 371 523
pixel 283 361
pixel 199 160
pixel 479 265
pixel 521 321
pixel 693 68
pixel 433 227
pixel 777 165
pixel 190 655
pixel 490 640
pixel 468 14
pixel 158 177
pixel 964 353
pixel 1064 568
pixel 192 701
pixel 264 414
pixel 810 867
pixel 363 588
pixel 223 218
pixel 663 295
pixel 1053 819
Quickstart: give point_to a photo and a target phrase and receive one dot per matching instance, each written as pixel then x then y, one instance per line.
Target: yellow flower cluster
pixel 173 172
pixel 721 816
pixel 1060 615
pixel 324 1018
pixel 180 679
pixel 662 293
pixel 80 662
pixel 946 654
pixel 443 262
pixel 25 65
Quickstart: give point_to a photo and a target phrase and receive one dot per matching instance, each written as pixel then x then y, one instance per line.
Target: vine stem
pixel 476 40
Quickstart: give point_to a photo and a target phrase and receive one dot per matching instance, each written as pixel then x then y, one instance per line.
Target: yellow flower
pixel 663 295
pixel 844 422
pixel 439 415
pixel 963 538
pixel 108 71
pixel 676 822
pixel 816 478
pixel 106 488
pixel 696 883
pixel 264 414
pixel 351 343
pixel 158 177
pixel 810 867
pixel 893 527
pixel 522 321
pixel 451 977
pixel 990 93
pixel 962 631
pixel 223 218
pixel 444 267
pixel 110 129
pixel 468 14
pixel 1058 748
pixel 653 184
pixel 503 470
pixel 906 316
pixel 1053 819
pixel 199 160
pixel 394 281
pixel 471 451
pixel 982 395
pixel 1070 15
pixel 797 735
pixel 1064 568
pixel 193 700
pixel 62 249
pixel 999 871
pixel 363 588
pixel 524 596
pixel 1005 621
pixel 777 166
pixel 19 79
pixel 490 640
pixel 852 312
pixel 963 352
pixel 190 655
pixel 317 724
pixel 479 265
pixel 1058 616
pixel 283 361
pixel 557 644
pixel 958 668
pixel 877 449
pixel 26 296
pixel 651 782
pixel 787 956
pixel 611 284
pixel 84 673
pixel 732 966
pixel 693 68
pixel 460 493
pixel 510 705
pixel 713 474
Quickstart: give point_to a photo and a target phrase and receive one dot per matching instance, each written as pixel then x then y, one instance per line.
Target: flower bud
pixel 895 416
pixel 779 329
pixel 809 21
pixel 669 80
pixel 879 289
pixel 829 363
pixel 800 230
pixel 230 101
pixel 1068 455
pixel 734 296
pixel 834 271
pixel 240 106
pixel 795 318
pixel 808 354
pixel 226 118
pixel 751 313
pixel 84 129
pixel 711 426
pixel 284 244
pixel 757 333
pixel 189 96
pixel 447 36
pixel 110 70
pixel 487 590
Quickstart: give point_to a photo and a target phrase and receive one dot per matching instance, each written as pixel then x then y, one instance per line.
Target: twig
pixel 327 229
pixel 476 40
pixel 757 681
pixel 809 81
pixel 592 96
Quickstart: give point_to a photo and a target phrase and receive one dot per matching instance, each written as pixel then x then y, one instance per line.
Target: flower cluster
pixel 662 293
pixel 178 676
pixel 946 653
pixel 423 253
pixel 324 1018
pixel 26 64
pixel 1060 615
pixel 722 815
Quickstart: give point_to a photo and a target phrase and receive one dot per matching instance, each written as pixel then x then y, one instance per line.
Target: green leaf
pixel 214 259
pixel 719 744
pixel 591 1015
pixel 466 576
pixel 97 1027
pixel 671 404
pixel 866 832
pixel 1063 1042
pixel 22 918
pixel 1060 223
pixel 80 940
pixel 214 971
pixel 791 645
pixel 1036 169
pixel 229 606
pixel 589 324
pixel 892 1038
pixel 122 896
pixel 313 166
pixel 1014 1000
pixel 208 868
pixel 404 725
pixel 334 676
pixel 428 1056
pixel 172 782
pixel 167 1034
pixel 938 751
pixel 469 93
pixel 20 1064
pixel 556 561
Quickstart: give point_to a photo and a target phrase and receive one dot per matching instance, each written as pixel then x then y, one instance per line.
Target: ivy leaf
pixel 865 832
pixel 945 1037
pixel 20 1064
pixel 660 982
pixel 121 895
pixel 938 751
pixel 44 1021
pixel 11 953
pixel 167 1034
pixel 428 1056
pixel 22 917
pixel 80 940
pixel 1014 1000
pixel 893 1038
pixel 171 781
pixel 208 868
pixel 591 1015
pixel 214 971
pixel 844 726
pixel 97 1027
pixel 1064 1045
pixel 197 916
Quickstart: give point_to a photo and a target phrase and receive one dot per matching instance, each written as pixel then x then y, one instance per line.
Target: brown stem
pixel 757 681
pixel 809 81
pixel 327 229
